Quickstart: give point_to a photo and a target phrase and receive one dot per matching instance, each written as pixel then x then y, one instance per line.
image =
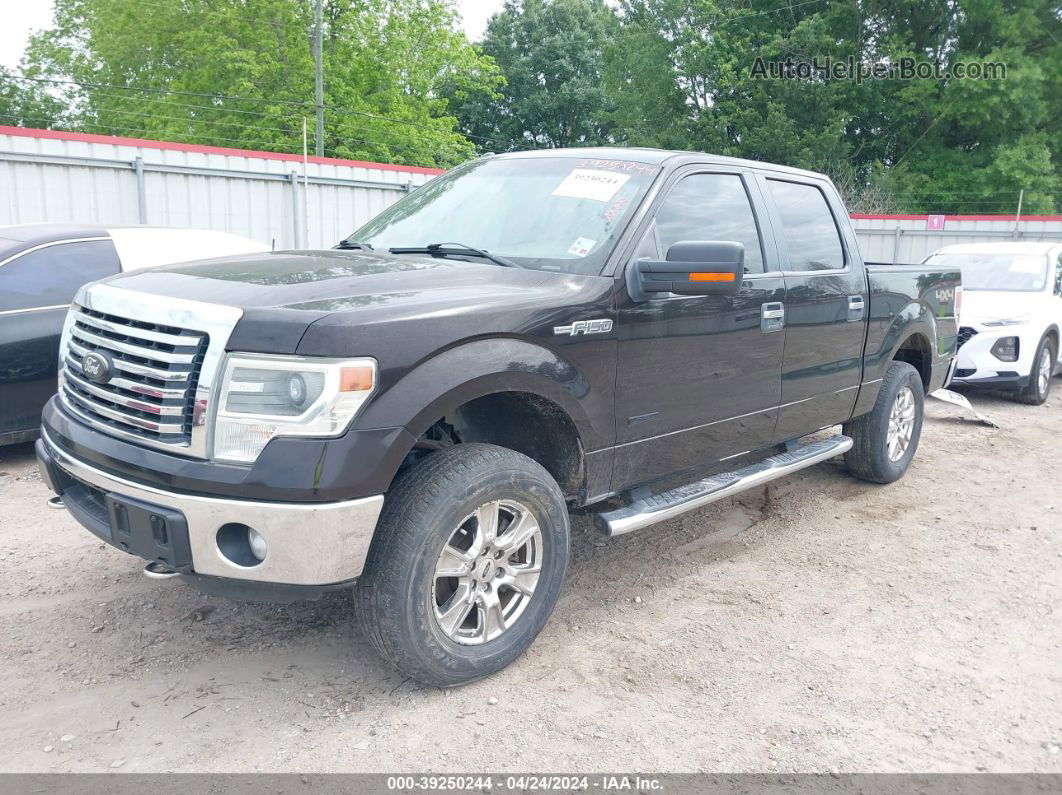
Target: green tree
pixel 24 103
pixel 938 144
pixel 551 54
pixel 241 73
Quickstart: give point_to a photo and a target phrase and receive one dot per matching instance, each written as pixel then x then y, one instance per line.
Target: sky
pixel 21 17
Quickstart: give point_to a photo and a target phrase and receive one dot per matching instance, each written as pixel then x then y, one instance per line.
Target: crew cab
pixel 413 414
pixel 1011 318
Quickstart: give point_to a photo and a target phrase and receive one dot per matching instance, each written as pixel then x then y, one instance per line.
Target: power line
pixel 220 109
pixel 243 143
pixel 789 7
pixel 232 98
pixel 195 120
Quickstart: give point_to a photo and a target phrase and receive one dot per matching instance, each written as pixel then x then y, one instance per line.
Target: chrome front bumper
pixel 308 543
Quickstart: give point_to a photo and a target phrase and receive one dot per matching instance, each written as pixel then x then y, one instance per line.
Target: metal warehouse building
pixel 46 175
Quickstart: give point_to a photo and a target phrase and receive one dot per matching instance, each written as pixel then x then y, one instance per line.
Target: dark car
pixel 41 267
pixel 412 414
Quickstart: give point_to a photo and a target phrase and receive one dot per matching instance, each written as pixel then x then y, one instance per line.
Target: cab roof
pixel 656 157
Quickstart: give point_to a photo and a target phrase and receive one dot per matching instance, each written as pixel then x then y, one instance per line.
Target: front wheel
pixel 1040 378
pixel 885 440
pixel 466 564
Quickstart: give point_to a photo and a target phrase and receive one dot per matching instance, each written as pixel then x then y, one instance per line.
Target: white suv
pixel 1011 315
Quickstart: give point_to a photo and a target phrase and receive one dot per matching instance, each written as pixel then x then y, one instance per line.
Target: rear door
pixel 36 288
pixel 826 304
pixel 699 375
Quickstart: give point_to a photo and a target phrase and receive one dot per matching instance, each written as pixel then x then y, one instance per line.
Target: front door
pixel 699 376
pixel 826 305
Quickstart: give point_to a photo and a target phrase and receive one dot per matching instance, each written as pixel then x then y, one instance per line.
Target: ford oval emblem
pixel 97 367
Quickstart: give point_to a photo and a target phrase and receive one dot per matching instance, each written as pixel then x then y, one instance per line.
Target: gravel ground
pixel 822 625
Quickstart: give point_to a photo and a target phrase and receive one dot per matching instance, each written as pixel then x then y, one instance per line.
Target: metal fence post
pixel 293 178
pixel 141 190
pixel 896 244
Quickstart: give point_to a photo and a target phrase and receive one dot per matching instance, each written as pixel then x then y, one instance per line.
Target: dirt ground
pixel 825 625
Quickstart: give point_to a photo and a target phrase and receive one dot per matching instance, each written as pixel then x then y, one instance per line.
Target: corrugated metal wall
pixel 912 238
pixel 47 176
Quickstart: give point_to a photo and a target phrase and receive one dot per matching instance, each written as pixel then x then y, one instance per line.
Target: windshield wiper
pixel 441 250
pixel 353 245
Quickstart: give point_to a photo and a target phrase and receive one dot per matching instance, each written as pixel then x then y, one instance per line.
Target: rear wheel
pixel 885 440
pixel 1040 378
pixel 466 564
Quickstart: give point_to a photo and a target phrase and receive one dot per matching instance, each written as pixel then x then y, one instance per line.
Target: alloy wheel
pixel 1043 375
pixel 487 572
pixel 901 424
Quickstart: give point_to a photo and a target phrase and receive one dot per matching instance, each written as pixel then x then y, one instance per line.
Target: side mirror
pixel 695 267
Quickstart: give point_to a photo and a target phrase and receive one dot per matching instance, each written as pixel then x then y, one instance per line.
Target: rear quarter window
pixel 810 231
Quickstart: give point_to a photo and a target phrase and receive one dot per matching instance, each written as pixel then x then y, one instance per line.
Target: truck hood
pixel 284 294
pixel 323 281
pixel 981 305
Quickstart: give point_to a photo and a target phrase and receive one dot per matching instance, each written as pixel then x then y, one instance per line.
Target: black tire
pixel 869 457
pixel 395 598
pixel 1034 394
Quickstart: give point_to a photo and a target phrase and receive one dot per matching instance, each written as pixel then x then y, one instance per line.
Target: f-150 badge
pixel 599 326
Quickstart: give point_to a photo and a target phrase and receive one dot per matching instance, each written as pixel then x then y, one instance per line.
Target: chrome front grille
pixel 154 373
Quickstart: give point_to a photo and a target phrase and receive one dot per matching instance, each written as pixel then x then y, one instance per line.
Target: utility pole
pixel 1017 216
pixel 318 62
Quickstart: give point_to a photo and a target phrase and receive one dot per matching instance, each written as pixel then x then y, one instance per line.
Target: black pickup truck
pixel 412 414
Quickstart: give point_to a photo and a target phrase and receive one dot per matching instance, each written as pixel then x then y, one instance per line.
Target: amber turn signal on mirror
pixel 712 277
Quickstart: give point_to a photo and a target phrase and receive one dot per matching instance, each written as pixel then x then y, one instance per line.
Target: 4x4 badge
pixel 584 327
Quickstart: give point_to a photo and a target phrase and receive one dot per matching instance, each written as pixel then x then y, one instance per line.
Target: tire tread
pixel 868 457
pixel 379 610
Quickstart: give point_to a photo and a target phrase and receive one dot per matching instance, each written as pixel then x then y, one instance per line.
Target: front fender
pixel 457 375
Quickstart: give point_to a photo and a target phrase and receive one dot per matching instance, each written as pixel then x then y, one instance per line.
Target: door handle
pixel 772 316
pixel 856 305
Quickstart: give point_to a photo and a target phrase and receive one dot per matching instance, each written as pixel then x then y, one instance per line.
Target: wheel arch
pixel 508 392
pixel 917 351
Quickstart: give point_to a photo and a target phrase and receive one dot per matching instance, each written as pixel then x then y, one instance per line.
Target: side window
pixel 810 231
pixel 710 207
pixel 51 275
pixel 1058 276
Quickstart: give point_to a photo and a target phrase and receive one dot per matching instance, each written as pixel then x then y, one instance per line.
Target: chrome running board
pixel 669 504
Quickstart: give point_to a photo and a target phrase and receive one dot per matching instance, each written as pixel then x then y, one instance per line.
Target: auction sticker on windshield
pixel 582 246
pixel 590 183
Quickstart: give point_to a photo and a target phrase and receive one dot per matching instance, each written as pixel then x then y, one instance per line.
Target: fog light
pixel 1006 349
pixel 241 544
pixel 258 545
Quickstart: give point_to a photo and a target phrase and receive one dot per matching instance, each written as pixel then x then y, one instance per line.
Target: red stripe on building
pixel 92 138
pixel 866 217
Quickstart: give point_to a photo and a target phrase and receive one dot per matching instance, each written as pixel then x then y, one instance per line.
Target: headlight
pixel 266 396
pixel 1006 349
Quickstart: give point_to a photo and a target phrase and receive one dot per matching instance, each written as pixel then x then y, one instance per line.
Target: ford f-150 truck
pixel 413 413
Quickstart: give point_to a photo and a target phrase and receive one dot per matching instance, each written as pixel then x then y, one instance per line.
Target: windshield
pixel 556 213
pixel 1017 273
